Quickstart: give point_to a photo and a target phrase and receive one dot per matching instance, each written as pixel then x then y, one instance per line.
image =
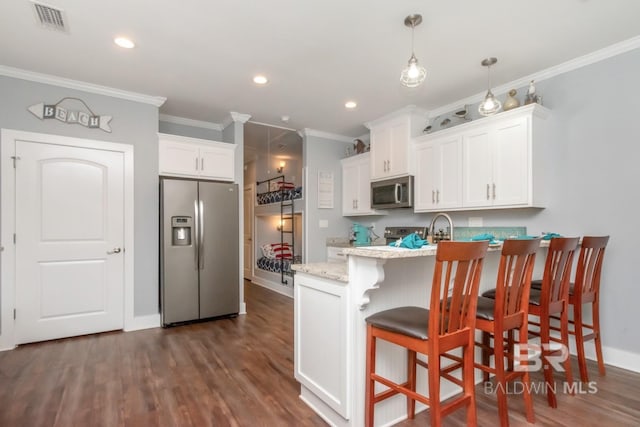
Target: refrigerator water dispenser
pixel 181 230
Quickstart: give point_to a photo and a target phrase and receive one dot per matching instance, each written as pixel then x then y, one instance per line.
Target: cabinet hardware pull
pixel 202 164
pixel 487 191
pixel 196 163
pixel 433 196
pixel 114 251
pixel 438 196
pixel 494 191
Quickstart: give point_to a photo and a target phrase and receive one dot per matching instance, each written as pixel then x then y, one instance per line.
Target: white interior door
pixel 69 239
pixel 249 200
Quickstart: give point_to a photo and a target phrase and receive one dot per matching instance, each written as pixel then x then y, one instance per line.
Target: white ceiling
pixel 202 54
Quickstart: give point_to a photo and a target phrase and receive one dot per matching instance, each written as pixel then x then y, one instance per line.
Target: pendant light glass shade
pixel 490 105
pixel 413 74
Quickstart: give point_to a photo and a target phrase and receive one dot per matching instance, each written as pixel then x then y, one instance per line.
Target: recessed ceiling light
pixel 260 80
pixel 124 42
pixel 350 105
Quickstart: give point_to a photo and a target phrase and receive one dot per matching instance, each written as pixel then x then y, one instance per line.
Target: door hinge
pixel 14 314
pixel 14 158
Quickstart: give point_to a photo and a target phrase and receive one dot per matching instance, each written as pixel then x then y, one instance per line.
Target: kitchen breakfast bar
pixel 331 302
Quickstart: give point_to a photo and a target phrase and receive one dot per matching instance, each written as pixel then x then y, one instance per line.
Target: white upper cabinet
pixel 438 177
pixel 356 186
pixel 196 158
pixel 493 162
pixel 390 143
pixel 497 164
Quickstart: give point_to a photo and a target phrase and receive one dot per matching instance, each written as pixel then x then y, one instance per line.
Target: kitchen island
pixel 331 302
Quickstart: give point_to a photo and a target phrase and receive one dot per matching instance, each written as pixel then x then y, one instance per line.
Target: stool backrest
pixel 456 276
pixel 590 265
pixel 514 276
pixel 557 270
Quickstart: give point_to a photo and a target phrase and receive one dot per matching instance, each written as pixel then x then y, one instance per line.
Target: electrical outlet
pixel 475 221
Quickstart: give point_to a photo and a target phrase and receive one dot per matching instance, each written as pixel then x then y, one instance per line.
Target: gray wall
pixel 596 132
pixel 133 123
pixel 322 154
pixel 190 131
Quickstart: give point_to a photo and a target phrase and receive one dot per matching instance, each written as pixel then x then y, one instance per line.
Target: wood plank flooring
pixel 231 372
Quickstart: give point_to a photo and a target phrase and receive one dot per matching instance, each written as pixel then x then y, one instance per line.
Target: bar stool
pixel 504 314
pixel 552 300
pixel 441 328
pixel 584 290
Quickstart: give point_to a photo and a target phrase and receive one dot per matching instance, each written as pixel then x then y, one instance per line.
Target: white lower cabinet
pixel 195 158
pixel 322 340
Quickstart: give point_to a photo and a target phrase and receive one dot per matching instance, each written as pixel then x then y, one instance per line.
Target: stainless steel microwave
pixel 392 193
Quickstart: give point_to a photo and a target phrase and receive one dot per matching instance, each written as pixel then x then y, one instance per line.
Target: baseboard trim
pixel 282 290
pixel 144 322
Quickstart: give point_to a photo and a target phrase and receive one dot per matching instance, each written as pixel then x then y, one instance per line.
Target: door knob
pixel 114 251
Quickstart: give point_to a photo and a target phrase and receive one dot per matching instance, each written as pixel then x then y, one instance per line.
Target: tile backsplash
pixel 500 233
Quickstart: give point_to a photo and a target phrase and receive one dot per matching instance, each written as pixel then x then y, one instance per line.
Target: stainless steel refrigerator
pixel 199 252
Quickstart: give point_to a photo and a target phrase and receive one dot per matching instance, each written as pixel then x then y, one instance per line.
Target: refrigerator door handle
pixel 201 242
pixel 196 242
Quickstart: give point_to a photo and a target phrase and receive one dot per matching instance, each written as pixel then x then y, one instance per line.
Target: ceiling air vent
pixel 50 17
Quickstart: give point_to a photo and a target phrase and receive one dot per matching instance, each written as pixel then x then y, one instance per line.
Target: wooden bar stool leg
pixel 370 384
pixel 503 410
pixel 510 342
pixel 596 330
pixel 434 389
pixel 564 334
pixel 486 356
pixel 526 379
pixel 411 379
pixel 550 384
pixel 469 383
pixel 578 332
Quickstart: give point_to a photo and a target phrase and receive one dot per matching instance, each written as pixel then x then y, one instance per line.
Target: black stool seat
pixel 486 307
pixel 537 284
pixel 411 321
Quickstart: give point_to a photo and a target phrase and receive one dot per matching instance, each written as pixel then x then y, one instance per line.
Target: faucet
pixel 433 222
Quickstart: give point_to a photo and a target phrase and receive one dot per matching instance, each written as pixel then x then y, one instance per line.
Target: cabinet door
pixel 449 169
pixel 177 158
pixel 511 166
pixel 350 186
pixel 217 162
pixel 425 178
pixel 476 168
pixel 363 192
pixel 380 147
pixel 322 338
pixel 398 149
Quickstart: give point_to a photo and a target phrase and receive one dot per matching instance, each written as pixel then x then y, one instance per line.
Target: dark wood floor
pixel 231 372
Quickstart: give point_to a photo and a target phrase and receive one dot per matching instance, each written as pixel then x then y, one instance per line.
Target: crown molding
pixel 325 135
pixel 272 126
pixel 556 70
pixel 18 73
pixel 409 109
pixel 189 122
pixel 235 117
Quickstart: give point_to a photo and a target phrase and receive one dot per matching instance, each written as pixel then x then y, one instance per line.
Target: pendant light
pixel 490 105
pixel 414 74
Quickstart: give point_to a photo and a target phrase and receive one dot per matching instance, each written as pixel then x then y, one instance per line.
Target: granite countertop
pixel 327 270
pixel 390 252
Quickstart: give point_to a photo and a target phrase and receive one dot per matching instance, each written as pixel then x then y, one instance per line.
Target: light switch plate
pixel 323 223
